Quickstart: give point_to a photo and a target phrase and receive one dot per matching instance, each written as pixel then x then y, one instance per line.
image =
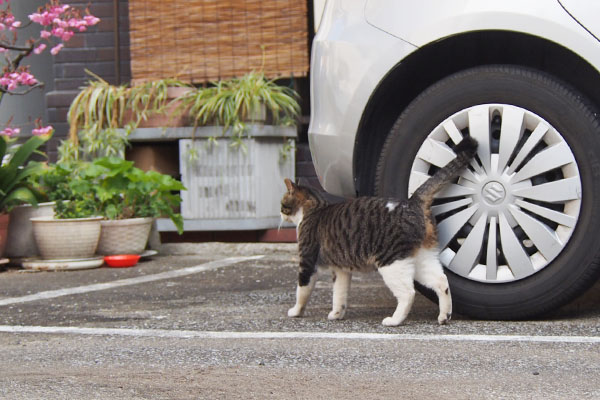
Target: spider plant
pixel 236 102
pixel 102 116
pixel 151 97
pixel 94 117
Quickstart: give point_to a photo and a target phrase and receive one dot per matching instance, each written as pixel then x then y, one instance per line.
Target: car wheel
pixel 518 229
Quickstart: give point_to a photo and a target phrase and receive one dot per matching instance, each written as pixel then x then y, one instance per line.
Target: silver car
pixel 396 84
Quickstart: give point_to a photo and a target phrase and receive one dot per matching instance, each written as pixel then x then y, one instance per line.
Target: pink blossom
pixel 60 21
pixel 67 35
pixel 91 20
pixel 58 31
pixel 11 81
pixel 27 79
pixel 44 18
pixel 41 131
pixel 7 20
pixel 39 49
pixel 63 22
pixel 54 51
pixel 10 132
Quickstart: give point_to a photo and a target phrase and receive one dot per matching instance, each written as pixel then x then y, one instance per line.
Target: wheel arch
pixel 442 58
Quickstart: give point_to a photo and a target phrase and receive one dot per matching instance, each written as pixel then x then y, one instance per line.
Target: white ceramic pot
pixel 21 242
pixel 73 238
pixel 124 236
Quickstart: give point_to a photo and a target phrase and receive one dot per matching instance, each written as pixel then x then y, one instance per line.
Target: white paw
pixel 390 321
pixel 295 312
pixel 444 319
pixel 335 315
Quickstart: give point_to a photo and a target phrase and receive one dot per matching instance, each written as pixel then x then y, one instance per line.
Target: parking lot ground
pixel 209 321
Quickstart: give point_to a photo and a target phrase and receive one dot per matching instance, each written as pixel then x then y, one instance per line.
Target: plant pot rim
pixel 45 203
pixel 54 219
pixel 127 221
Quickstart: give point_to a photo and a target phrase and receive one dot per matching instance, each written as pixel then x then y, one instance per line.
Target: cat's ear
pixel 289 184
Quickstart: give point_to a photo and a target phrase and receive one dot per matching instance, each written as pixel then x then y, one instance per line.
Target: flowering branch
pixel 59 22
pixel 7 46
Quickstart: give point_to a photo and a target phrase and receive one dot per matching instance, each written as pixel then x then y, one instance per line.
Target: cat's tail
pixel 465 151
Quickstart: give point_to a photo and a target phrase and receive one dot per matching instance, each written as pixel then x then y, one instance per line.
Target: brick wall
pixel 93 50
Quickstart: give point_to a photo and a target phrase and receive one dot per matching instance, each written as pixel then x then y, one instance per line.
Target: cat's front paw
pixel 295 312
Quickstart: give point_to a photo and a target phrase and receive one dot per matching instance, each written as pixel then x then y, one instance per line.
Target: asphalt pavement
pixel 208 321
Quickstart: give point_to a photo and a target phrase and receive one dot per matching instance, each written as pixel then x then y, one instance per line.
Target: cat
pixel 398 238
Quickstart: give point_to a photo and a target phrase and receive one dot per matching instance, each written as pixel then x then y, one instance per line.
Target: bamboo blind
pixel 205 40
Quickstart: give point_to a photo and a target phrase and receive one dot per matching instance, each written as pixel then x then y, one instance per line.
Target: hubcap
pixel 493 193
pixel 513 210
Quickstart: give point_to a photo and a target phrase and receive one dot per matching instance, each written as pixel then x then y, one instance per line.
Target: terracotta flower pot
pixel 59 239
pixel 169 117
pixel 124 236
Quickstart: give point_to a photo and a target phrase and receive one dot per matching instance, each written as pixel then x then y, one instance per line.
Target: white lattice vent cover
pixel 228 182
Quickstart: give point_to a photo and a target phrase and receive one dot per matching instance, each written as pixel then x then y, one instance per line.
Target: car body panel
pixel 359 42
pixel 349 58
pixel 587 13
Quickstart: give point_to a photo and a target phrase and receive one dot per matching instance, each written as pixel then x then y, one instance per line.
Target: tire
pixel 543 211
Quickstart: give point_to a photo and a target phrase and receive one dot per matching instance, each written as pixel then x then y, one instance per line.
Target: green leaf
pixel 20 195
pixel 3 146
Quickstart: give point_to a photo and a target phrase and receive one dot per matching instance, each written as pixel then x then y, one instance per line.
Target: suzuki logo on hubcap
pixel 494 193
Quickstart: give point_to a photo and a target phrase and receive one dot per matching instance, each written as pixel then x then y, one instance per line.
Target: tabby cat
pixel 397 238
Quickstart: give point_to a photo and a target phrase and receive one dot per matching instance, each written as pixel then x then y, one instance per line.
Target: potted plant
pixel 102 115
pixel 15 168
pixel 252 115
pixel 157 104
pixel 20 242
pixel 229 176
pixel 94 117
pixel 73 231
pixel 130 199
pixel 235 103
pixel 58 23
pixel 125 198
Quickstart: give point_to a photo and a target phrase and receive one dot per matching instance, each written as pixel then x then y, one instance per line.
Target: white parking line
pixel 126 282
pixel 186 334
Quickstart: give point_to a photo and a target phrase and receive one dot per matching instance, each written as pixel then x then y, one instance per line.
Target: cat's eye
pixel 286 210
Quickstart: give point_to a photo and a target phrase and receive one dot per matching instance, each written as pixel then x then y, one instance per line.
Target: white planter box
pixel 229 183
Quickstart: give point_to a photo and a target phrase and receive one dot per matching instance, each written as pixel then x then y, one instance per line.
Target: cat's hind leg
pixel 302 295
pixel 341 287
pixel 430 273
pixel 399 276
